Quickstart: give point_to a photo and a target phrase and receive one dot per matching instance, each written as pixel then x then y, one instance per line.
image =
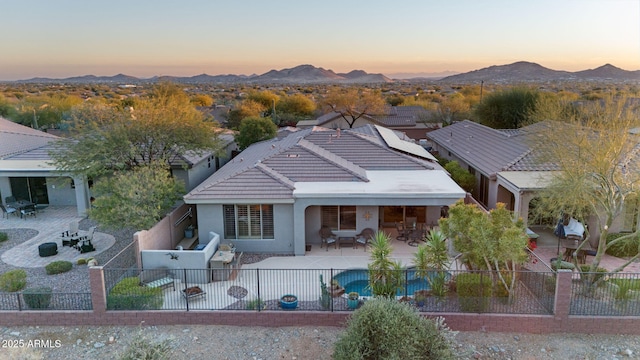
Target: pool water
pixel 358 280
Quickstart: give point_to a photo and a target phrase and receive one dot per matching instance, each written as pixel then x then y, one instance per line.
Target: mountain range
pixel 521 71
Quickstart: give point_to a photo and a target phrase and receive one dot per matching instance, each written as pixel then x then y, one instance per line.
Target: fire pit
pixel 192 292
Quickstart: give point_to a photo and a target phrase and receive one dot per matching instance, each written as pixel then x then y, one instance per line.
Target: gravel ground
pixel 228 342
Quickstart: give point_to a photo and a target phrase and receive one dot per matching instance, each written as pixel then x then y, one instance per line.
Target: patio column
pixel 5 188
pixel 82 195
pixel 299 236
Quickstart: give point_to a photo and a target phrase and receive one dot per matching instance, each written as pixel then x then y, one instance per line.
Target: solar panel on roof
pixel 394 142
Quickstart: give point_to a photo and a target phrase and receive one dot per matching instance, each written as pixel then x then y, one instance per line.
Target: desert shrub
pixel 624 285
pixel 81 261
pixel 142 347
pixel 550 283
pixel 37 298
pixel 388 329
pixel 499 290
pixel 58 267
pixel 599 273
pixel 4 237
pixel 474 290
pixel 625 248
pixel 129 295
pixel 14 280
pixel 255 304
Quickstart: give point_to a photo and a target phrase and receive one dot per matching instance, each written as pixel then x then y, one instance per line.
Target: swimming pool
pixel 358 280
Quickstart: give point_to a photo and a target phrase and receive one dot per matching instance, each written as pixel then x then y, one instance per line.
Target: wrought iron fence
pixel 605 294
pixel 327 290
pixel 20 301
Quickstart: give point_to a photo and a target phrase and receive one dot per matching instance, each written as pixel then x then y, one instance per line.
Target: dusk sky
pixel 143 38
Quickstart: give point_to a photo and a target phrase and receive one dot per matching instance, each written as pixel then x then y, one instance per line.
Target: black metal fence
pixel 45 301
pixel 327 290
pixel 605 294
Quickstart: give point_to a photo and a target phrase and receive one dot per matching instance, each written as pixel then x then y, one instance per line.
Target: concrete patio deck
pixel 49 223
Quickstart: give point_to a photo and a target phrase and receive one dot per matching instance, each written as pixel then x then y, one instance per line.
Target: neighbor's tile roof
pixel 490 150
pixel 394 116
pixel 21 142
pixel 270 169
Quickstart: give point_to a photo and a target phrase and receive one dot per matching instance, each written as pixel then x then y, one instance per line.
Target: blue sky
pixel 61 38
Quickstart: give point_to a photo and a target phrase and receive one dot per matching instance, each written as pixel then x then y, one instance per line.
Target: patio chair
pixel 401 229
pixel 327 237
pixel 8 210
pixel 28 211
pixel 365 237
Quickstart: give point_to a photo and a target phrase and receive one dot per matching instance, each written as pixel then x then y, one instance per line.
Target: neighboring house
pixel 26 171
pixel 410 120
pixel 275 195
pixel 504 164
pixel 193 168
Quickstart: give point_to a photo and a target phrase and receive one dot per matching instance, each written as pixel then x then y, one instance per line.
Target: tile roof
pixel 394 116
pixel 21 142
pixel 490 150
pixel 308 155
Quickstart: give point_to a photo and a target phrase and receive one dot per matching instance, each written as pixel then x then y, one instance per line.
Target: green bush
pixel 625 248
pixel 550 283
pixel 624 285
pixel 499 290
pixel 3 236
pixel 255 304
pixel 388 329
pixel 14 280
pixel 58 267
pixel 37 298
pixel 474 291
pixel 129 295
pixel 81 261
pixel 599 273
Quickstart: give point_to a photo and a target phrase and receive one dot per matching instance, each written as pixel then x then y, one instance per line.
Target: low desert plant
pixel 255 304
pixel 13 280
pixel 37 298
pixel 597 275
pixel 129 295
pixel 624 285
pixel 58 267
pixel 4 237
pixel 81 261
pixel 141 347
pixel 474 291
pixel 387 329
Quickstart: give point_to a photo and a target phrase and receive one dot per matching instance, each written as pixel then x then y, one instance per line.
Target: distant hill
pixel 298 74
pixel 523 71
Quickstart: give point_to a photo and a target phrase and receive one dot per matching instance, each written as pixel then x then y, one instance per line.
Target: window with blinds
pixel 248 221
pixel 339 217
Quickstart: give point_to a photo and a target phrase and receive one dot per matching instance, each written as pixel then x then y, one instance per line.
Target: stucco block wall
pixel 211 219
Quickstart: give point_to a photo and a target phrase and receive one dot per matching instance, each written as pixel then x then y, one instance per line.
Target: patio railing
pixel 604 294
pixel 314 290
pixel 52 301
